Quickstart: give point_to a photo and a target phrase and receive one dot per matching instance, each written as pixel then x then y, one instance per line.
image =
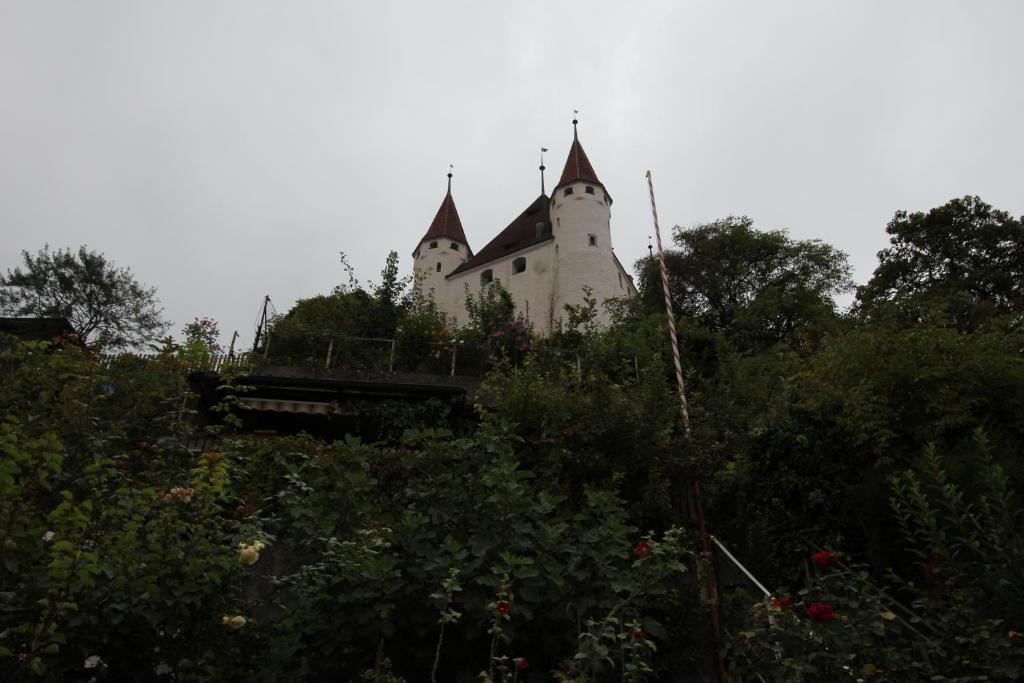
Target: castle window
pixel 590 189
pixel 433 245
pixel 567 192
pixel 592 240
pixel 455 246
pixel 439 266
pixel 486 277
pixel 620 280
pixel 519 265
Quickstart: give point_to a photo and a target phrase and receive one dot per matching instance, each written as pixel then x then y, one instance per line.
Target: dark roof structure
pixel 446 223
pixel 531 227
pixel 577 165
pixel 36 329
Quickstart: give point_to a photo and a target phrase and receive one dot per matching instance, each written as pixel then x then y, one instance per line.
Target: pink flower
pixel 503 607
pixel 642 549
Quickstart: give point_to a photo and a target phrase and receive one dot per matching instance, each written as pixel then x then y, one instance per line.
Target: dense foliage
pixel 134 549
pixel 865 466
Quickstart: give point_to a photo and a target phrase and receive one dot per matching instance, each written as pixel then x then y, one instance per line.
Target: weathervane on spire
pixel 542 150
pixel 650 247
pixel 451 167
pixel 575 116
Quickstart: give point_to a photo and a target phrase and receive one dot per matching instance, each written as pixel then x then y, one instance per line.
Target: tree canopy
pixel 963 259
pixel 758 287
pixel 105 304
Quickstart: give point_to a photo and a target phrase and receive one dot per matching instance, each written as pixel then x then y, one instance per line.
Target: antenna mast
pixel 261 328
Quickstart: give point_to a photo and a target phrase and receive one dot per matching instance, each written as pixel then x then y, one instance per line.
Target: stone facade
pixel 544 258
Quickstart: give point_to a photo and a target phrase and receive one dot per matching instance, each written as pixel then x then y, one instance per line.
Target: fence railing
pixel 370 356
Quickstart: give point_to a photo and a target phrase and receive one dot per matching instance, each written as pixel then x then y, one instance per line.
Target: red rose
pixel 642 549
pixel 820 611
pixel 782 602
pixel 522 664
pixel 503 607
pixel 823 559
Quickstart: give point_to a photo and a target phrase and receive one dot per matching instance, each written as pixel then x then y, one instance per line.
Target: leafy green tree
pixel 105 304
pixel 962 261
pixel 391 287
pixel 203 332
pixel 341 322
pixel 759 288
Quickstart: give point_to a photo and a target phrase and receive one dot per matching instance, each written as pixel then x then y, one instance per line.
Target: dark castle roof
pixel 577 165
pixel 531 227
pixel 446 223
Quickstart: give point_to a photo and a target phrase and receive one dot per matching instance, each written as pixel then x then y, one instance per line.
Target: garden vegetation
pixel 864 465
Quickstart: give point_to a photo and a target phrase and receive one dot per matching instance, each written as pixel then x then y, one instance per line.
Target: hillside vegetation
pixel 866 466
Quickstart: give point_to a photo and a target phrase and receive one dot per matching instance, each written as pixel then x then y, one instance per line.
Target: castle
pixel 544 258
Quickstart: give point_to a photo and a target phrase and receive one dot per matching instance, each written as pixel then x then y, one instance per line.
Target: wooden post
pixel 330 350
pixel 391 361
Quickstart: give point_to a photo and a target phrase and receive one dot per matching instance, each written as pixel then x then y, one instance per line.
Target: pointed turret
pixel 577 165
pixel 441 250
pixel 446 223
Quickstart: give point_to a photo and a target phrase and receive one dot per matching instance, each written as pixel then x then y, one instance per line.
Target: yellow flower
pixel 249 553
pixel 235 621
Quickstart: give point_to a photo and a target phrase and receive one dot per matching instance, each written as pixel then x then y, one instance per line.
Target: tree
pixel 759 288
pixel 391 286
pixel 105 304
pixel 964 260
pixel 203 332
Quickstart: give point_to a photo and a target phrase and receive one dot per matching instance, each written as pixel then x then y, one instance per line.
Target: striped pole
pixel 707 567
pixel 671 316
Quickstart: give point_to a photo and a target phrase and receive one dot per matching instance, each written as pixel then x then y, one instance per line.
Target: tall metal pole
pixel 710 589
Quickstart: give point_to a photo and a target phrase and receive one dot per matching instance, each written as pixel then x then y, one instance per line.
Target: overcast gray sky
pixel 225 150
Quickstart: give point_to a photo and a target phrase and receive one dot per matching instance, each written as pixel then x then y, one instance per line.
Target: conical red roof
pixel 577 165
pixel 446 223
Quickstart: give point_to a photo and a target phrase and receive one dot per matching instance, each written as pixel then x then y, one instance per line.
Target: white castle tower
pixel 442 249
pixel 544 258
pixel 581 222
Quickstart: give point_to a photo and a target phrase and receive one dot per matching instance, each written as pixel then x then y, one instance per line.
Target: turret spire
pixel 446 222
pixel 577 165
pixel 542 167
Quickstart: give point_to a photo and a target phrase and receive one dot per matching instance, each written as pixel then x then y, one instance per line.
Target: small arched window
pixel 590 189
pixel 439 266
pixel 519 265
pixel 486 277
pixel 455 246
pixel 567 192
pixel 592 240
pixel 433 245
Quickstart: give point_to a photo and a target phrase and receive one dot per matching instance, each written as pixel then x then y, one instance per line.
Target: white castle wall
pixel 531 290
